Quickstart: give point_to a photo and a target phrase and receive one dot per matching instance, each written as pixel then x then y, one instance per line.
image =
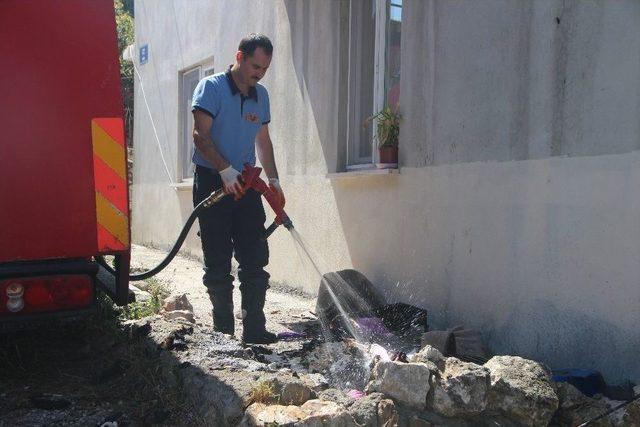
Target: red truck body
pixel 63 193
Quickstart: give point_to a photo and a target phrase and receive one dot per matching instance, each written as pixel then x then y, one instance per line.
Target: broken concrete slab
pixel 408 383
pixel 521 390
pixel 177 301
pixel 324 413
pixel 289 391
pixel 387 414
pixel 576 408
pixel 428 354
pixel 336 395
pixel 460 390
pixel 260 414
pixel 313 413
pixel 365 410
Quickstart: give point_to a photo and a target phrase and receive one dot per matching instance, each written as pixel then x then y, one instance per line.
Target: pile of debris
pixel 430 389
pixel 336 380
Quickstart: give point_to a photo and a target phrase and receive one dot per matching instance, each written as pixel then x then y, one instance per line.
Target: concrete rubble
pixel 233 384
pixel 311 413
pixel 408 383
pixel 521 390
pixel 461 389
pixel 310 382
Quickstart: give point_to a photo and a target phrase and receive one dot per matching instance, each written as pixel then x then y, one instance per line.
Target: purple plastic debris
pixel 372 326
pixel 355 394
pixel 290 335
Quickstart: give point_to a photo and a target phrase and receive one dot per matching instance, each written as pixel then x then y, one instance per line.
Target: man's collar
pixel 253 92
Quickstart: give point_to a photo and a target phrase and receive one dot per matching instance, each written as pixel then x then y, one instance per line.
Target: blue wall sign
pixel 144 54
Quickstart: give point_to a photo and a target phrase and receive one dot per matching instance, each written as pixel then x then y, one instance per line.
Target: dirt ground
pixel 94 372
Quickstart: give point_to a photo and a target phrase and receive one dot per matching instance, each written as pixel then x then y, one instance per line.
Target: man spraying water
pixel 231 123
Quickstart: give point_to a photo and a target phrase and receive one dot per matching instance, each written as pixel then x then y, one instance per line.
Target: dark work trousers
pixel 229 228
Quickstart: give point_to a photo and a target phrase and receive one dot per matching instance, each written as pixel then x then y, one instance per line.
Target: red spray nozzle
pixel 251 179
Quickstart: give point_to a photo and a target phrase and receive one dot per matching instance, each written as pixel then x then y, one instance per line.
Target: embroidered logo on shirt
pixel 251 118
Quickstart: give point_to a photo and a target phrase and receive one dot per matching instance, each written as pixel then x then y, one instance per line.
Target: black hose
pixel 176 246
pixel 610 411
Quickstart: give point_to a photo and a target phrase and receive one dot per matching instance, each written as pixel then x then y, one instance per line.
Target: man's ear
pixel 239 56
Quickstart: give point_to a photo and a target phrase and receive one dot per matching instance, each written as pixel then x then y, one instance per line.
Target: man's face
pixel 253 68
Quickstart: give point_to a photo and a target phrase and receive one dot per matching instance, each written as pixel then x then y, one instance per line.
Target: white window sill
pixel 185 185
pixel 355 173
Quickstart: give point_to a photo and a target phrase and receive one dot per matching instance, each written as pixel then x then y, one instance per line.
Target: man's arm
pixel 202 123
pixel 264 148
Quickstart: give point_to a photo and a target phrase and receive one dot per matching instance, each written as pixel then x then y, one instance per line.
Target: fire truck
pixel 63 193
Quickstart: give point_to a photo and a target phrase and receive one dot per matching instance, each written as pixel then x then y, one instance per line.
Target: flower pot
pixel 388 156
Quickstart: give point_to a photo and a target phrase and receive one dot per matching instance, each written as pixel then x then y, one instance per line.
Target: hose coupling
pixel 214 197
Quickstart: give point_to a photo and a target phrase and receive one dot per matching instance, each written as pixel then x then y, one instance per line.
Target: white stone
pixel 324 413
pixel 259 414
pixel 177 301
pixel 313 413
pixel 428 353
pixel 521 390
pixel 461 390
pixel 387 414
pixel 407 383
pixel 179 314
pixel 289 391
pixel 141 296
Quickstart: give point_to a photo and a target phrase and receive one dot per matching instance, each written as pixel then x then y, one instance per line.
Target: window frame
pixel 205 68
pixel 379 74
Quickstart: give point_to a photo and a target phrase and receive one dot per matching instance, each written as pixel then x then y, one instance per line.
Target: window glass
pixel 374 71
pixel 392 66
pixel 190 80
pixel 361 80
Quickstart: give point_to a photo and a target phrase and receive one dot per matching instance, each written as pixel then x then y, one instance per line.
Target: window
pixel 188 81
pixel 374 72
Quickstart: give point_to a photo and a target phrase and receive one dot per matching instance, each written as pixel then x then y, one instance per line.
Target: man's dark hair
pixel 250 43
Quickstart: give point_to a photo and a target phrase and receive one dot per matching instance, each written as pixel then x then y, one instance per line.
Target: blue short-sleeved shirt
pixel 236 118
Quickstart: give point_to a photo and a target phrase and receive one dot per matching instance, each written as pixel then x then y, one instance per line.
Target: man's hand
pixel 231 182
pixel 274 183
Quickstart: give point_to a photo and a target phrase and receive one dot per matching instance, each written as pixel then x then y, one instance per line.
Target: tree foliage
pixel 126 36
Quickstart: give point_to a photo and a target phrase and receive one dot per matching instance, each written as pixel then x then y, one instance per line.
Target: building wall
pixel 515 210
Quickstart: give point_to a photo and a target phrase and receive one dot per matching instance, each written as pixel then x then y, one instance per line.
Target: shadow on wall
pixel 319 50
pixel 558 337
pixel 320 47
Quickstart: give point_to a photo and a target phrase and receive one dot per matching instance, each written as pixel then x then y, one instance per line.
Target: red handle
pixel 251 179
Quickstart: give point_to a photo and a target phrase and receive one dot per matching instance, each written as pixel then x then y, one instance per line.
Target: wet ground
pixel 96 372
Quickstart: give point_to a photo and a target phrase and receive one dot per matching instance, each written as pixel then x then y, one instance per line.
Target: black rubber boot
pixel 222 313
pixel 254 323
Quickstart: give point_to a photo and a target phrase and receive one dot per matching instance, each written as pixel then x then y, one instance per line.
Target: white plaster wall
pixel 482 226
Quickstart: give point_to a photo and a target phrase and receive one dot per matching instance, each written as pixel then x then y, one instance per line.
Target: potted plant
pixel 388 129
